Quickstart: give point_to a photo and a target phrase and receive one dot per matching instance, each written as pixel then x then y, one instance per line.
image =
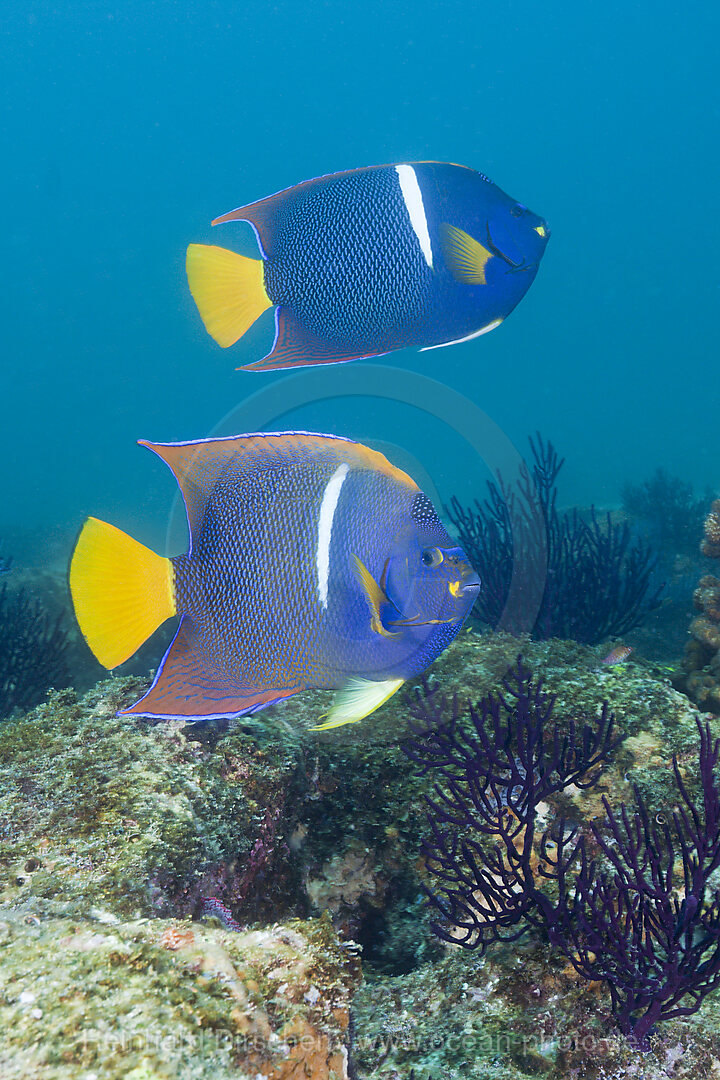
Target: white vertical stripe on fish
pixel 414 202
pixel 328 506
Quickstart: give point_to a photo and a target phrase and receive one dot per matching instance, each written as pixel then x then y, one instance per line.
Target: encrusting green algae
pixel 115 833
pixel 164 999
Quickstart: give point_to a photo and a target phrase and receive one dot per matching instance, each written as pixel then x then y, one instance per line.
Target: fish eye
pixel 432 557
pixel 517 210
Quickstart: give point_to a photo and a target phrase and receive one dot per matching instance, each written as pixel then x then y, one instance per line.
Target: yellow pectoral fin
pixel 228 289
pixel 358 699
pixel 375 595
pixel 465 256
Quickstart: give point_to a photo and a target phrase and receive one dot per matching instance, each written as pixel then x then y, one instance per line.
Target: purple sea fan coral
pixel 637 914
pixel 550 573
pixel 496 771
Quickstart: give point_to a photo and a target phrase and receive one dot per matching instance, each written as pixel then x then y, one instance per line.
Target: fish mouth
pixel 468 581
pixel 467 585
pixel 515 267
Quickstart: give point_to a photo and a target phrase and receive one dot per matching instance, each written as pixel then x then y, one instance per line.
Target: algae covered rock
pixel 107 824
pixel 115 831
pixel 518 1014
pixel 100 811
pixel 153 999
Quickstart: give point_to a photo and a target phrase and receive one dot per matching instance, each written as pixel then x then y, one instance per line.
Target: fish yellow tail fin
pixel 228 289
pixel 121 591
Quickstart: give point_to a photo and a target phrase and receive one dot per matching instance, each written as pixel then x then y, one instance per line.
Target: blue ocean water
pixel 128 127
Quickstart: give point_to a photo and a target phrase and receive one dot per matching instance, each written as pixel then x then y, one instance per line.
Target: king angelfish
pixel 313 562
pixel 361 263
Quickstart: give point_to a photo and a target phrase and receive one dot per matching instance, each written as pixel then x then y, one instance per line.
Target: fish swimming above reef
pixel 313 562
pixel 618 655
pixel 361 263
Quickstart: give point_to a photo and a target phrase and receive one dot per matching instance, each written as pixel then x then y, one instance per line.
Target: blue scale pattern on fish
pixel 372 302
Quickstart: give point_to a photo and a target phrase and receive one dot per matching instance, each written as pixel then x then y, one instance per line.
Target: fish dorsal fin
pixel 357 699
pixel 198 466
pixel 465 256
pixel 268 215
pixel 187 688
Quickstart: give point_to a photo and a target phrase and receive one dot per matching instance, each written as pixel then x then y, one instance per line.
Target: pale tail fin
pixel 228 289
pixel 121 591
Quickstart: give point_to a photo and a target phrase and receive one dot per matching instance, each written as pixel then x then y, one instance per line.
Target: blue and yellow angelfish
pixel 361 263
pixel 313 562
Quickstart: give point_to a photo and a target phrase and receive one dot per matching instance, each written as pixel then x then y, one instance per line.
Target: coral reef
pixel 628 903
pixel 549 573
pixel 517 1015
pixel 711 528
pixel 135 839
pixel 33 648
pixel 700 674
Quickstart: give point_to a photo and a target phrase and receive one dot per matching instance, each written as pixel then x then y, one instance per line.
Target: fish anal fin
pixel 358 699
pixel 185 688
pixel 465 256
pixel 295 346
